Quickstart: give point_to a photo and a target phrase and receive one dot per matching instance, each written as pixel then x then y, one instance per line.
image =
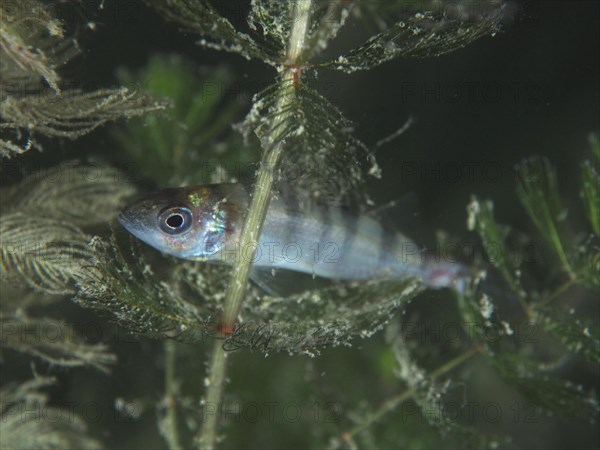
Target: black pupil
pixel 175 221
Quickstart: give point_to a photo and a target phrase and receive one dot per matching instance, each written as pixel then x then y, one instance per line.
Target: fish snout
pixel 125 219
pixel 133 223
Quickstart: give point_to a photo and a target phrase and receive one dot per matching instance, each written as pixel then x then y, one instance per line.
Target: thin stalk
pixel 171 434
pixel 392 403
pixel 573 280
pixel 255 218
pixel 261 196
pixel 557 292
pixel 299 32
pixel 215 383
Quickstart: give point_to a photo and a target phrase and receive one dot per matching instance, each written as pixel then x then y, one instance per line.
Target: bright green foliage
pixel 481 218
pixel 190 142
pixel 590 185
pixel 538 191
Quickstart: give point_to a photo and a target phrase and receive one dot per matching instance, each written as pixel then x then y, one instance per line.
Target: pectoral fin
pixel 283 283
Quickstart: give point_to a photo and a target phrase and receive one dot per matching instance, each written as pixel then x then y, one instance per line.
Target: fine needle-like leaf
pixel 481 218
pixel 321 160
pixel 217 32
pixel 426 34
pixel 590 186
pixel 43 252
pixel 37 428
pixel 538 192
pixel 32 48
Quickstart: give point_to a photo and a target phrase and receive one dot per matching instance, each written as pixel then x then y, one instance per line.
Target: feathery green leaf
pixel 74 114
pixel 580 336
pixel 590 186
pixel 538 191
pixel 43 252
pixel 58 344
pixel 426 34
pixel 217 32
pixel 187 304
pixel 321 158
pixel 25 423
pixel 545 390
pixel 481 218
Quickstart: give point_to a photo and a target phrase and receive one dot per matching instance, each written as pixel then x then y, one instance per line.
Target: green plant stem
pixel 208 434
pixel 261 195
pixel 555 240
pixel 171 436
pixel 254 220
pixel 572 281
pixel 557 292
pixel 299 33
pixel 392 403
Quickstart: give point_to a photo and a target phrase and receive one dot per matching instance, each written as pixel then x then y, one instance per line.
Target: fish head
pixel 190 223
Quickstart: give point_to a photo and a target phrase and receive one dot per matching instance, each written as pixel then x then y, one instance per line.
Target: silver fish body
pixel 204 223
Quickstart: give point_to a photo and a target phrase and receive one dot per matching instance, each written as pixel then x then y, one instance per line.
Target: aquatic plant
pixel 33 49
pixel 52 248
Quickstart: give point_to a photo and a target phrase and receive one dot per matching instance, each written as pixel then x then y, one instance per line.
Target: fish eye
pixel 175 220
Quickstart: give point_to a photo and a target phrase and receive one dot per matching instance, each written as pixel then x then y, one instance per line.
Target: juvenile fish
pixel 204 223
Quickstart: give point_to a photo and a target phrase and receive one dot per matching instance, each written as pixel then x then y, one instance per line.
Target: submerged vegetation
pixel 59 240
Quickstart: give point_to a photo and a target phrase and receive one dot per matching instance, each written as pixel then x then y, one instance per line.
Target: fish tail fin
pixel 462 278
pixel 451 275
